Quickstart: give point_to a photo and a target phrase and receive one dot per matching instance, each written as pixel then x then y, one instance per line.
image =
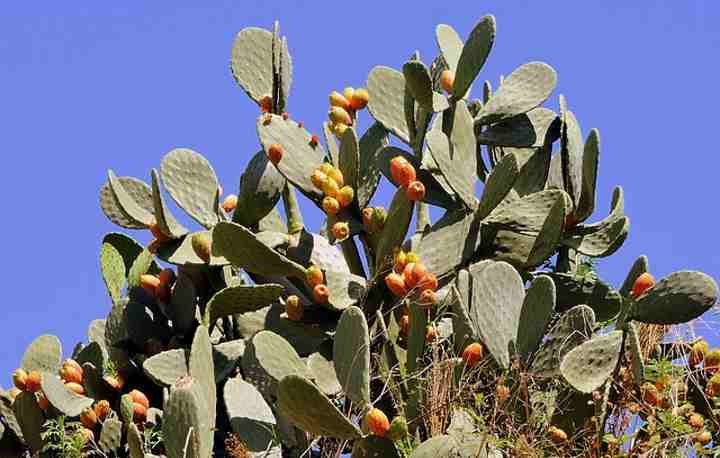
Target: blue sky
pixel 85 87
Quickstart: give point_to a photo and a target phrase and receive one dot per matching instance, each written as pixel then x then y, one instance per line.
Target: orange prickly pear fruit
pixel 88 418
pixel 339 100
pixel 70 373
pixel 318 179
pixel 158 233
pixel 367 215
pixel 139 397
pixel 275 153
pixel 167 277
pixel 428 281
pixel 415 191
pixel 230 203
pixel 404 325
pixel 293 308
pixel 149 283
pixel 75 388
pixel 360 99
pixel 321 294
pixel 702 438
pixel 314 140
pixel 330 188
pixel 348 93
pixel 314 276
pixel 340 230
pixel 696 421
pixel 339 115
pixel 427 298
pixel 396 284
pixel 643 283
pixel 430 333
pixel 202 245
pixel 266 104
pixel 336 175
pixel 557 435
pixel 33 381
pixel 472 354
pixel 447 79
pixel 19 378
pixel 72 363
pixel 330 205
pixel 139 412
pixel 402 171
pixel 42 400
pixel 400 261
pixel 345 196
pixel 377 422
pixel 413 273
pixel 114 382
pixel 102 409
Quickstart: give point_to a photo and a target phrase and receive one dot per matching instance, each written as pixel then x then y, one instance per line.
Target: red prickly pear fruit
pixel 430 333
pixel 139 412
pixel 202 246
pixel 266 104
pixel 314 140
pixel 447 80
pixel 87 435
pixel 75 388
pixel 318 179
pixel 336 175
pixel 42 400
pixel 321 294
pixel 293 308
pixel 557 435
pixel 400 261
pixel 275 153
pixel 139 397
pixel 348 93
pixel 149 283
pixel 330 205
pixel 367 215
pixel 19 377
pixel 88 418
pixel 345 196
pixel 285 115
pixel 472 354
pixel 428 298
pixel 415 191
pixel 338 100
pixel 230 203
pixel 643 283
pixel 696 421
pixel 70 374
pixel 314 276
pixel 402 171
pixel 428 281
pixel 340 230
pixel 359 99
pixel 158 233
pixel 396 284
pixel 102 409
pixel 570 221
pixel 330 188
pixel 377 422
pixel 339 115
pixel 33 382
pixel 413 273
pixel 404 325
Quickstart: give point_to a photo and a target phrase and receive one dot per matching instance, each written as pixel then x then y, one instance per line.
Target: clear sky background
pixel 86 86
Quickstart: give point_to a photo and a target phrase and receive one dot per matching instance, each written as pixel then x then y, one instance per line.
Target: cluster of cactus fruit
pixel 262 338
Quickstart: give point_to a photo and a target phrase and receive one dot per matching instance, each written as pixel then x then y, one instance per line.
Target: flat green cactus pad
pixel 588 366
pixel 473 56
pixel 250 416
pixel 386 87
pixel 44 355
pixel 351 352
pixel 678 298
pixel 60 397
pixel 240 299
pixel 252 62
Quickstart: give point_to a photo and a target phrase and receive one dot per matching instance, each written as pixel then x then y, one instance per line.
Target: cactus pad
pixel 678 298
pixel 252 62
pixel 351 352
pixel 588 366
pixel 537 310
pixel 251 418
pixel 167 367
pixel 387 93
pixel 260 187
pixel 574 327
pixel 240 299
pixel 135 192
pixel 44 355
pixel 474 54
pixel 60 397
pixel 166 222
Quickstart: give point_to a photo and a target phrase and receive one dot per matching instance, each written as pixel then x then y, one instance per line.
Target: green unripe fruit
pixel 398 429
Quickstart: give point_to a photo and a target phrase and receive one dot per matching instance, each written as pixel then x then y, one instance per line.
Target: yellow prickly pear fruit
pixel 338 100
pixel 330 205
pixel 202 245
pixel 339 115
pixel 360 99
pixel 336 175
pixel 19 378
pixel 330 188
pixel 230 203
pixel 293 308
pixel 557 435
pixel 345 196
pixel 348 93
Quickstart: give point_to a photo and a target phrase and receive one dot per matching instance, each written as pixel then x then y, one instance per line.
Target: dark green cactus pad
pixel 537 310
pixel 240 299
pixel 351 352
pixel 463 331
pixel 202 370
pixel 267 359
pixel 571 152
pixel 95 386
pixel 349 158
pixel 536 128
pixel 308 248
pixel 574 327
pixel 591 155
pixel 498 295
pixel 526 215
pixel 140 324
pixel 135 192
pixel 183 304
pixel 548 239
pixel 243 249
pixel 252 62
pixel 639 267
pixel 112 267
pixel 60 397
pixel 451 241
pixel 185 423
pixel 165 220
pixel 450 45
pixel 30 418
pixel 601 241
pixel 260 188
pixel 396 227
pixel 126 246
pixel 588 366
pixel 331 144
pixel 420 87
pixel 166 367
pixel 307 408
pixel 632 346
pixel 456 155
pixel 181 252
pixel 678 298
pixel 191 182
pixel 497 185
pixel 10 421
pixel 226 357
pixel 300 159
pixel 370 144
pixel 534 165
pixel 136 442
pixel 110 435
pixel 134 200
pixel 251 418
pixel 322 370
pixel 601 297
pixel 44 354
pixel 374 447
pixel 527 87
pixel 116 324
pixel 474 54
pixel 386 87
pixel 92 353
pixel 143 264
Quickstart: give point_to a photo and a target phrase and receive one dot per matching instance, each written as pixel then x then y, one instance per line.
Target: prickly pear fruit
pixel 321 294
pixel 702 438
pixel 167 277
pixel 427 298
pixel 404 324
pixel 314 140
pixel 88 418
pixel 293 308
pixel 398 429
pixel 326 168
pixel 139 397
pixel 359 99
pixel 70 373
pixel 345 196
pixel 102 409
pixel 411 256
pixel 696 421
pixel 428 281
pixel 202 245
pixel 116 383
pixel 340 230
pixel 396 284
pixel 314 276
pixel 413 273
pixel 402 171
pixel 472 354
pixel 330 205
pixel 348 93
pixel 557 435
pixel 75 388
pixel 330 188
pixel 318 179
pixel 266 104
pixel 339 115
pixel 338 100
pixel 336 175
pixel 447 79
pixel 377 422
pixel 400 261
pixel 230 203
pixel 367 215
pixel 139 412
pixel 42 400
pixel 713 385
pixel 33 381
pixel 157 232
pixel 149 283
pixel 339 130
pixel 275 153
pixel 19 377
pixel 643 283
pixel 415 191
